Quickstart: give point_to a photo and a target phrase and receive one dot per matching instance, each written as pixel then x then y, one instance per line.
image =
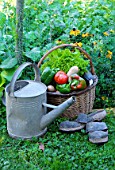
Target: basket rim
pixel 75 92
pixel 69 45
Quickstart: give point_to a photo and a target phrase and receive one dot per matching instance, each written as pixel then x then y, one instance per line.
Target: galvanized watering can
pixel 26 106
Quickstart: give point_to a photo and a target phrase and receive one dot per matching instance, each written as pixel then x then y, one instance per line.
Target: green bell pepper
pixel 63 88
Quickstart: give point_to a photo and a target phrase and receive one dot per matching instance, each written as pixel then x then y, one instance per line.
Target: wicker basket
pixel 84 99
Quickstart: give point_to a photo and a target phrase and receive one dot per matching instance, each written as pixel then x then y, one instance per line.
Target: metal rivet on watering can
pixel 26 106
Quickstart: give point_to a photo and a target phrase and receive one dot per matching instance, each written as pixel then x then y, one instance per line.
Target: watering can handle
pixel 18 71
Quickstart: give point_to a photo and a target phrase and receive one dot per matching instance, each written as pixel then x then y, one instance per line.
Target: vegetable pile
pixel 62 82
pixel 62 71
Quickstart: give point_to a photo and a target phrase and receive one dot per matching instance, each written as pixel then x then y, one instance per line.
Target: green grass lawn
pixel 57 150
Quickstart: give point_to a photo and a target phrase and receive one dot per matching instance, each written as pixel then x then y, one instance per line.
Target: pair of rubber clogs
pixel 97 131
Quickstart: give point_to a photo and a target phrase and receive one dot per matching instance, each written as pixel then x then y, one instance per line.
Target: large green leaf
pixel 2 45
pixel 8 37
pixel 8 63
pixel 2 52
pixel 8 74
pixel 34 54
pixel 30 35
pixel 1 91
pixel 2 19
pixel 2 81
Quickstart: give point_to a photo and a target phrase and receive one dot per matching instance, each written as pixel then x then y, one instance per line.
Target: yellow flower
pixel 50 2
pixel 85 35
pixel 103 97
pixel 106 33
pixel 35 9
pixel 109 55
pixel 78 44
pixel 109 52
pixel 94 43
pixel 74 32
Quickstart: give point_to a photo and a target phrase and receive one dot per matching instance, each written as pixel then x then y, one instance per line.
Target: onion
pixel 51 88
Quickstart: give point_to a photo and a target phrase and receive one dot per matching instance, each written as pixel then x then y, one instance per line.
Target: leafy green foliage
pixel 7 67
pixel 2 19
pixel 8 63
pixel 8 74
pixel 34 54
pixel 2 81
pixel 47 22
pixel 1 91
pixel 65 59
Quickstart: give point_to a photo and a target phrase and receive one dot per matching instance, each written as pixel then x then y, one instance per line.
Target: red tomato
pixel 61 77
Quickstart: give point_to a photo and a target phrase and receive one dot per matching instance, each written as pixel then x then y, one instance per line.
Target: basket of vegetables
pixel 66 73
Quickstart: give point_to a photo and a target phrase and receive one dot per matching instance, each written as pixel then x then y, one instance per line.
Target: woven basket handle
pixel 68 45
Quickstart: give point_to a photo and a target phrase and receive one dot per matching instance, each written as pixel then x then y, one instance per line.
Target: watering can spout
pixel 58 110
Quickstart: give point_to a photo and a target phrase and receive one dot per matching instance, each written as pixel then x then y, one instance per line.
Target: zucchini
pixel 47 75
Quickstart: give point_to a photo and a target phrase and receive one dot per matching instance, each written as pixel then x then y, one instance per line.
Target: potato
pixel 51 88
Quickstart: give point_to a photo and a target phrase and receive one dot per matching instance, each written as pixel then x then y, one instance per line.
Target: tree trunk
pixel 19 29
